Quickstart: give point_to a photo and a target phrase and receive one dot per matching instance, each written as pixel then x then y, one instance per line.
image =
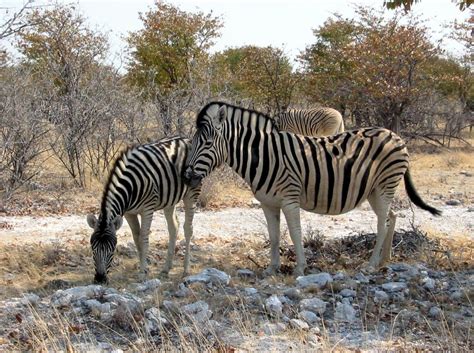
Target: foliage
pixel 374 63
pixel 263 74
pixel 168 58
pixel 407 4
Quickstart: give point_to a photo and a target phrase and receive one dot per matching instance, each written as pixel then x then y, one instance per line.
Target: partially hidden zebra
pixel 326 175
pixel 144 179
pixel 315 122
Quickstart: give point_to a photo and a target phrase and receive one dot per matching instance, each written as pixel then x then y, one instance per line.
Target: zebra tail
pixel 415 197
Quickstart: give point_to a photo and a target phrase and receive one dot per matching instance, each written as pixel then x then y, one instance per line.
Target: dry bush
pixel 224 188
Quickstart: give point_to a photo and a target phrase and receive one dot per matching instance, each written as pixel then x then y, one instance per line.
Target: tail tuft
pixel 416 198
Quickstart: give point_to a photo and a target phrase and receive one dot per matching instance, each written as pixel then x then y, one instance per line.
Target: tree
pixel 66 59
pixel 407 4
pixel 377 64
pixel 262 74
pixel 168 58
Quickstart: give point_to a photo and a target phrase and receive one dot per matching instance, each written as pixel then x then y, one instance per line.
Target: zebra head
pixel 103 243
pixel 208 147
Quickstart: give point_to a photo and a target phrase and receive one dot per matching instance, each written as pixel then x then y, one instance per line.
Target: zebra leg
pixel 381 209
pixel 172 221
pixel 387 244
pixel 272 215
pixel 188 232
pixel 146 219
pixel 132 220
pixel 292 215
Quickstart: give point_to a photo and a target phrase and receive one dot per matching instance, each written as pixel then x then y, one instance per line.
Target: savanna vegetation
pixel 66 111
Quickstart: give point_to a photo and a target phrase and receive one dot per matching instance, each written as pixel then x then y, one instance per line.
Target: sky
pixel 286 24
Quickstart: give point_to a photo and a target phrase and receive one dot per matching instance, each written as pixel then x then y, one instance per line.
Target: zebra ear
pixel 117 222
pixel 91 220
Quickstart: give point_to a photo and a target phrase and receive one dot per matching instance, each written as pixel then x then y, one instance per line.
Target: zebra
pixel 311 122
pixel 144 179
pixel 325 175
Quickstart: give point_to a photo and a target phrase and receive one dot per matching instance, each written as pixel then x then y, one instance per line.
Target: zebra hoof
pixel 270 271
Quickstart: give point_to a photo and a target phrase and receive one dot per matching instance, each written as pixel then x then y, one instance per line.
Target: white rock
pixel 273 329
pixel 319 280
pixel 198 311
pixel 361 278
pixel 299 324
pixel 250 291
pixel 394 286
pixel 68 296
pixel 170 306
pixel 308 316
pixel 130 301
pixel 183 291
pixel 380 296
pixel 149 285
pixel 209 275
pixel 30 299
pixel 274 306
pixel 293 293
pixel 345 312
pixel 339 276
pixel 428 283
pixel 348 293
pixel 97 307
pixel 154 322
pixel 435 312
pixel 315 305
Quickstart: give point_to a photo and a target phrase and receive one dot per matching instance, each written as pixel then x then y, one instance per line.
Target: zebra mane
pixel 103 205
pixel 200 117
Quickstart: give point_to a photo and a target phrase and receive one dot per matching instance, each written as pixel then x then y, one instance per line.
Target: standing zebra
pixel 144 179
pixel 327 175
pixel 311 122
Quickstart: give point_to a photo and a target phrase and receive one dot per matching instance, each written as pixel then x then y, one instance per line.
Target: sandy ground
pixel 244 222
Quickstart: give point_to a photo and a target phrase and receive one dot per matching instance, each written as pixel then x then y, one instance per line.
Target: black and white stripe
pixel 327 175
pixel 144 179
pixel 311 122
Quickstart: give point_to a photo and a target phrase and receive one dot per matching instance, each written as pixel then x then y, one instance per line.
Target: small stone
pixel 274 306
pixel 428 283
pixel 250 291
pixel 318 280
pixel 273 329
pixel 466 173
pixel 453 202
pixel 209 275
pixel 30 299
pixel 345 312
pixel 293 293
pixel 198 311
pixel 309 317
pixel 245 273
pixel 435 312
pixel 404 271
pixel 339 276
pixel 170 306
pixel 149 285
pixel 97 307
pixel 456 295
pixel 154 322
pixel 299 324
pixel 348 293
pixel 394 286
pixel 182 291
pixel 470 209
pixel 380 296
pixel 361 278
pixel 315 305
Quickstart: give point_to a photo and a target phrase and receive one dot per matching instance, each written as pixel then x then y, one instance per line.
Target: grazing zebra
pixel 144 179
pixel 311 122
pixel 326 175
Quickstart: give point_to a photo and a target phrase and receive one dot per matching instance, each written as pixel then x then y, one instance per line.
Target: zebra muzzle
pixel 191 178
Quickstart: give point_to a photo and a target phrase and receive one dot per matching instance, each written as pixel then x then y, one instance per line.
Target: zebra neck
pixel 111 207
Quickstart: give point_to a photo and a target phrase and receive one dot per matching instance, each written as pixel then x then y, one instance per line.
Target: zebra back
pixel 146 176
pixel 311 122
